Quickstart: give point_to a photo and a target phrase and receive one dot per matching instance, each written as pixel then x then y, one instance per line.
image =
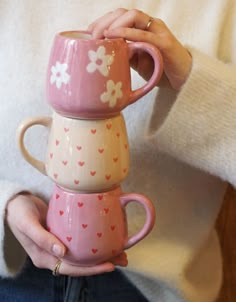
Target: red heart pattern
pixel 113 167
pixel 106 210
pixel 99 237
pixel 100 196
pixel 108 125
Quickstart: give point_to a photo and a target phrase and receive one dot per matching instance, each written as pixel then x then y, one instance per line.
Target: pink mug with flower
pixel 90 78
pixel 93 226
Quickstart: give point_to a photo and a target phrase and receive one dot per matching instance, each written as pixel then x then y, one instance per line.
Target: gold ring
pixel 55 272
pixel 151 19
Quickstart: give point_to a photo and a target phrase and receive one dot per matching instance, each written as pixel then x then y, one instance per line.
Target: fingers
pixel 77 271
pixel 133 18
pixel 27 225
pixel 120 18
pixel 73 270
pixel 97 27
pixel 24 217
pixel 40 257
pixel 43 239
pixel 120 260
pixel 131 25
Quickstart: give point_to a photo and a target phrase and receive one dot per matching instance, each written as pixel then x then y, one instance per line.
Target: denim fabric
pixel 110 287
pixel 31 285
pixel 38 285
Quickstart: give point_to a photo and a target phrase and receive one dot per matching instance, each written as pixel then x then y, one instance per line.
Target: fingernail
pixel 110 269
pixel 57 250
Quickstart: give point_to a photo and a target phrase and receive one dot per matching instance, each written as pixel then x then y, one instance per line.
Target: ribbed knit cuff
pixel 12 255
pixel 200 125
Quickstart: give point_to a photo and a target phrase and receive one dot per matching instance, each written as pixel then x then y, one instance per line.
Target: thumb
pixel 43 239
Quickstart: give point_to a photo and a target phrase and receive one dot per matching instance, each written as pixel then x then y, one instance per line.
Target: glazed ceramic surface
pixel 90 78
pixel 93 227
pixel 82 155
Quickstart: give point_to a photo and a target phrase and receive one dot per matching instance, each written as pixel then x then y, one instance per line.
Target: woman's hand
pixel 132 25
pixel 26 216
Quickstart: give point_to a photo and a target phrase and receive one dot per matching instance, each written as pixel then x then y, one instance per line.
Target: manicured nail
pixel 57 250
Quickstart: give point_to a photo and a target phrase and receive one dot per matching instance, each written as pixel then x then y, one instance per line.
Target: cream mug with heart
pixel 93 226
pixel 82 155
pixel 90 78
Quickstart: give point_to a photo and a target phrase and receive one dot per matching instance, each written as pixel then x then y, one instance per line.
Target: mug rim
pixel 113 190
pixel 81 35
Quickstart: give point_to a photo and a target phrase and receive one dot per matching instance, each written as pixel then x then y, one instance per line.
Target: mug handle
pixel 158 68
pixel 125 199
pixel 24 126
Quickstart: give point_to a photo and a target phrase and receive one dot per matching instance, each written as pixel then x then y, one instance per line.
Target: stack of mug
pixel 88 85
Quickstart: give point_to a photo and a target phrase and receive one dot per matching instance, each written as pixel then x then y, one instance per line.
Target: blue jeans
pixel 38 285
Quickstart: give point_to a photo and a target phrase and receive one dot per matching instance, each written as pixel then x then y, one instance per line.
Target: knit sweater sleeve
pixel 12 255
pixel 199 127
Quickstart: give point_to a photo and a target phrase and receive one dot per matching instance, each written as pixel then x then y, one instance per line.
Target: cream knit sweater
pixel 183 146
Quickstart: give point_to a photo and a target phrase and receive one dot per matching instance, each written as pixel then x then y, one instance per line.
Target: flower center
pixel 99 61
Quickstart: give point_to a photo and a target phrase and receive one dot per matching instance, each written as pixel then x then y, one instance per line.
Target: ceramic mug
pixel 93 227
pixel 90 78
pixel 82 155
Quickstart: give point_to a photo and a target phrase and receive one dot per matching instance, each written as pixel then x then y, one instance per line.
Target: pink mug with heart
pixel 90 78
pixel 93 226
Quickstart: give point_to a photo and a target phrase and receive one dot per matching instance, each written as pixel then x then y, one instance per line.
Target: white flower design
pixel 59 74
pixel 113 93
pixel 99 61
